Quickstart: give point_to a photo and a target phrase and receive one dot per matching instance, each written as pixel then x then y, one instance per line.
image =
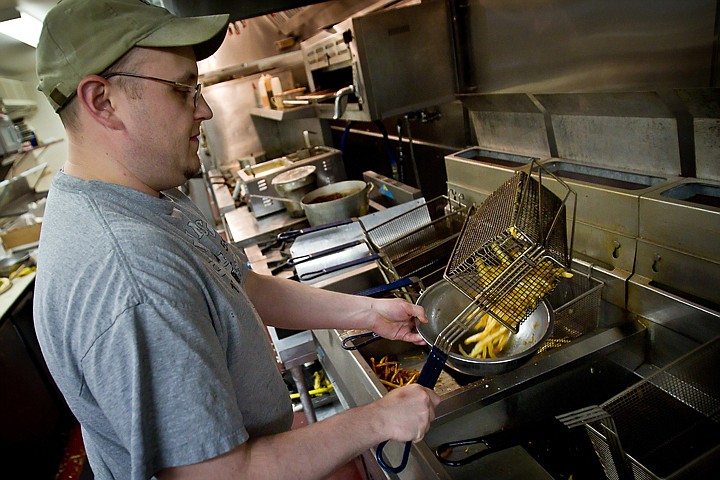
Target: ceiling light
pixel 26 29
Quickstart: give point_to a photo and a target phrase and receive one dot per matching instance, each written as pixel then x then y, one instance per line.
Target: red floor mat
pixel 74 458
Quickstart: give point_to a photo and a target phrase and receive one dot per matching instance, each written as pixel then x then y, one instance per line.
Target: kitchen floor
pixel 74 463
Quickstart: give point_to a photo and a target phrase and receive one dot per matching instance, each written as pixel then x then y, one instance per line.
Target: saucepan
pixel 332 205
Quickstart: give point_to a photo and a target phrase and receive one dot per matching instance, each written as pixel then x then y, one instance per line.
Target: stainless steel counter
pixel 8 298
pixel 244 229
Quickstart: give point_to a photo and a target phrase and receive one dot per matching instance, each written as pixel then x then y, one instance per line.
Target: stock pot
pixel 336 201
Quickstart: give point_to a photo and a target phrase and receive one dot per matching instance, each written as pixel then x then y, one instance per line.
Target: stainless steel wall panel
pixel 616 130
pixel 517 132
pixel 508 123
pixel 704 107
pixel 707 148
pixel 642 144
pixel 548 46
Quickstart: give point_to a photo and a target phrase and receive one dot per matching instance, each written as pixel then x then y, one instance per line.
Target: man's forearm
pixel 287 304
pixel 311 452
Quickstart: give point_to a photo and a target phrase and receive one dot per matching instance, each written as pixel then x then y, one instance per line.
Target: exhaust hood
pixel 238 9
pixel 571 46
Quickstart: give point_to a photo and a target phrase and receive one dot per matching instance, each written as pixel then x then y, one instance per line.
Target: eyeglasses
pixel 189 88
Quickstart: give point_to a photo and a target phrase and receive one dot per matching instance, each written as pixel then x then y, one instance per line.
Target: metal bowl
pixel 443 302
pixel 10 263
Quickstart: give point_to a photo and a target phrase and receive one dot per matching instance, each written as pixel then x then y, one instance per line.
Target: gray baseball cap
pixel 84 37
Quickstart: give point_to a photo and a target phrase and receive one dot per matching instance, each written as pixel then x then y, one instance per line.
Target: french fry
pixel 391 374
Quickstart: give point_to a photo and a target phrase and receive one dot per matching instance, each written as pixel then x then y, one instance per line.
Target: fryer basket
pixel 576 308
pixel 513 247
pixel 669 423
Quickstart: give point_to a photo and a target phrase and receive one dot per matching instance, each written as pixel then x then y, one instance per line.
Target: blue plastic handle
pixel 403 282
pixel 428 377
pixel 290 234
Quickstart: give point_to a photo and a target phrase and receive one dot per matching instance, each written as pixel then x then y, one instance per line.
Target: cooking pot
pixel 337 201
pixel 293 185
pixel 443 302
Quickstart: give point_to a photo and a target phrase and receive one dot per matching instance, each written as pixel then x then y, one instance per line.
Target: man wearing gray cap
pixel 151 324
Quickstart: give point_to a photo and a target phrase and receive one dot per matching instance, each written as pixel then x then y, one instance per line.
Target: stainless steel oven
pixel 360 70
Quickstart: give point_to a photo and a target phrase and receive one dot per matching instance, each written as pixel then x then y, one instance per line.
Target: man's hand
pixel 407 412
pixel 395 319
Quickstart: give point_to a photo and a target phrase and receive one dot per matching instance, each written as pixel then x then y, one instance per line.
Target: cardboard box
pixel 21 236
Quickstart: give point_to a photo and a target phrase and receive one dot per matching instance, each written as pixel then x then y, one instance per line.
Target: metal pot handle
pixel 322 253
pixel 493 442
pixel 335 268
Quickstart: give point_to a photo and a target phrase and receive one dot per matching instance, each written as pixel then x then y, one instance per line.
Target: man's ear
pixel 94 94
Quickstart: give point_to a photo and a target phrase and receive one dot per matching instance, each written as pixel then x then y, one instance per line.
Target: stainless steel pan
pixel 443 302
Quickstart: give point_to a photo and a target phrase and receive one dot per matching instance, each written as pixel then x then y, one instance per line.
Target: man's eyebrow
pixel 189 78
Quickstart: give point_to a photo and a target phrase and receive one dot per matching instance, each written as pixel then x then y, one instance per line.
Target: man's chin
pixel 194 169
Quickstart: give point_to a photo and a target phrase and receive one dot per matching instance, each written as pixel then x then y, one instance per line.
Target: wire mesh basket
pixel 418 242
pixel 576 309
pixel 513 248
pixel 666 426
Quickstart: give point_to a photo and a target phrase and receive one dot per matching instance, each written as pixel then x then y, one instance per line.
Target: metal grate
pixel 407 239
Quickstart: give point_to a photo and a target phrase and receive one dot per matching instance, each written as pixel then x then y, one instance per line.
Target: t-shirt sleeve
pixel 160 376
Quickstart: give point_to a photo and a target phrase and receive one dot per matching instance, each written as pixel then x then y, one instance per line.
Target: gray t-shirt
pixel 145 326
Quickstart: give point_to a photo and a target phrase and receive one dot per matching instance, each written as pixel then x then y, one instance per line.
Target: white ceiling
pixel 17 60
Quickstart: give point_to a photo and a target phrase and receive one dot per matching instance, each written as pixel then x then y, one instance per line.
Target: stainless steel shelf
pixel 295 113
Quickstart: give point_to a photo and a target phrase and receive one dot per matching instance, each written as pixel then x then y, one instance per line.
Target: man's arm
pixel 287 304
pixel 318 449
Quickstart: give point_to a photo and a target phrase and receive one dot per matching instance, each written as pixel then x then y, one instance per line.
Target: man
pixel 151 325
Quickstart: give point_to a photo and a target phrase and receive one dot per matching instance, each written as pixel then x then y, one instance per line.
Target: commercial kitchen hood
pixel 570 46
pixel 238 9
